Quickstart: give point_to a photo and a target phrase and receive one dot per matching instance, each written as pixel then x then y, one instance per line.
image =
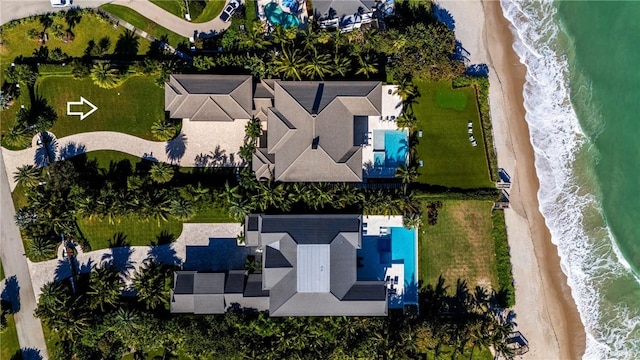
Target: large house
pixel 330 131
pixel 309 268
pixel 347 15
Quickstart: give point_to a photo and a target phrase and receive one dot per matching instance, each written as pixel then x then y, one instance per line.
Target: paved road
pixel 15 263
pixel 172 22
pixel 17 9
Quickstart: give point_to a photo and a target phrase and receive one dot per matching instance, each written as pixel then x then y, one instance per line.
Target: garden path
pixel 172 22
pixel 129 259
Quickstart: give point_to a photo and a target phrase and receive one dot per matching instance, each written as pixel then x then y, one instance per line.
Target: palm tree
pixel 308 40
pixel 161 172
pixel 254 37
pixel 288 64
pixel 104 76
pixel 41 248
pixel 283 36
pixel 407 120
pixel 182 209
pixel 163 130
pixel 105 287
pixel 340 66
pixel 27 175
pixel 411 220
pixel 406 89
pixel 18 136
pixel 127 44
pixel 318 65
pixel 367 66
pixel 159 208
pixel 150 283
pixel 407 173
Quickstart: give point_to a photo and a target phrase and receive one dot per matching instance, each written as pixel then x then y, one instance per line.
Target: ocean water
pixel 582 97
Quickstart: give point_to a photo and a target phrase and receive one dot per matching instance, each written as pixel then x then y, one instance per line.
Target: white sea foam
pixel 569 195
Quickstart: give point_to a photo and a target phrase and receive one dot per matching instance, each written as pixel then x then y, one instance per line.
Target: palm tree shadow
pixel 70 150
pixel 176 148
pixel 162 250
pixel 120 256
pixel 46 152
pixel 27 354
pixel 11 294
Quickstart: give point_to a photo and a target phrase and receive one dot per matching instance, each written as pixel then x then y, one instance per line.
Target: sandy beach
pixel 546 313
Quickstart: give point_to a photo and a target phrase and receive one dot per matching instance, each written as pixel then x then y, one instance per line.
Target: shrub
pixel 503 259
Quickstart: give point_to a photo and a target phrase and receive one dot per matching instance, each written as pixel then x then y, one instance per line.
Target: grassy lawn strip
pixel 503 258
pixel 211 11
pixel 131 108
pixel 139 231
pixel 460 245
pixel 176 7
pixel 446 351
pixel 136 19
pixel 91 27
pixel 1 271
pixel 449 159
pixel 9 345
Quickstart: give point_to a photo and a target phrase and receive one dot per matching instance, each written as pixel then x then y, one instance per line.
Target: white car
pixel 228 11
pixel 60 3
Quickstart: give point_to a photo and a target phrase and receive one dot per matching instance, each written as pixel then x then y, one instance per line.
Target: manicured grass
pixel 446 351
pixel 176 7
pixel 211 11
pixel 449 159
pixel 136 19
pixel 130 108
pixel 138 231
pixel 1 271
pixel 91 27
pixel 9 344
pixel 460 245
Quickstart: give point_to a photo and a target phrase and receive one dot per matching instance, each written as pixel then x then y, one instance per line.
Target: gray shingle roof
pixel 235 282
pixel 328 276
pixel 254 286
pixel 324 111
pixel 341 7
pixel 209 97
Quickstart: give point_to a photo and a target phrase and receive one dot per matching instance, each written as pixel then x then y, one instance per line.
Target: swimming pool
pixel 390 148
pixel 404 247
pixel 277 16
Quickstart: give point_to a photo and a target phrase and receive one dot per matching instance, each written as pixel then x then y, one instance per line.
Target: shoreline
pixel 559 307
pixel 546 313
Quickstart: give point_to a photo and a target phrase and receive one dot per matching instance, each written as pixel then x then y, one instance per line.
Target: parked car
pixel 60 3
pixel 229 10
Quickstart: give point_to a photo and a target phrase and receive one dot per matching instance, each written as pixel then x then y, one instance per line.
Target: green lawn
pixel 51 339
pixel 449 159
pixel 176 7
pixel 130 108
pixel 142 23
pixel 1 271
pixel 15 41
pixel 211 11
pixel 460 245
pixel 9 345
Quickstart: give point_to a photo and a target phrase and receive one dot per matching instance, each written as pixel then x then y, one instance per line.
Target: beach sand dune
pixel 546 313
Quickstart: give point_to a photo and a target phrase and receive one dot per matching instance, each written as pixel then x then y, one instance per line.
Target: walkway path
pixel 172 22
pixel 129 259
pixel 15 264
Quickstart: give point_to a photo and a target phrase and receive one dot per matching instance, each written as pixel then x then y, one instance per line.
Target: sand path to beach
pixel 546 313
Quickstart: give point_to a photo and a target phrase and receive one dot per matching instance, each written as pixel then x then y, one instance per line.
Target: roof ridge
pixel 250 78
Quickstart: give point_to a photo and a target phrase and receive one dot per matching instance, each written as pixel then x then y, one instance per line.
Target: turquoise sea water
pixel 583 108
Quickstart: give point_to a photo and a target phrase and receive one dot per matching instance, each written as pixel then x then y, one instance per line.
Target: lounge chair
pixel 419 133
pixel 474 143
pixel 421 163
pixel 470 131
pixel 395 280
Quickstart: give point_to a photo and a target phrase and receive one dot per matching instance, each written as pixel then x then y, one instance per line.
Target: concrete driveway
pixel 17 9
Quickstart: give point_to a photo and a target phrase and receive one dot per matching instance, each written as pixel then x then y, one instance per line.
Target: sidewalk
pixel 29 329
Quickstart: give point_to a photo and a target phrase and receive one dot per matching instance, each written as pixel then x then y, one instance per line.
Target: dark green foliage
pixel 196 7
pixel 503 259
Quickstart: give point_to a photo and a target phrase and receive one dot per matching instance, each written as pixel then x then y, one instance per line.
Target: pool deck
pixel 391 107
pixel 378 224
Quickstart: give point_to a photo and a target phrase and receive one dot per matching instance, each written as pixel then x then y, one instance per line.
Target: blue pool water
pixel 379 252
pixel 396 146
pixel 378 158
pixel 277 16
pixel 403 247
